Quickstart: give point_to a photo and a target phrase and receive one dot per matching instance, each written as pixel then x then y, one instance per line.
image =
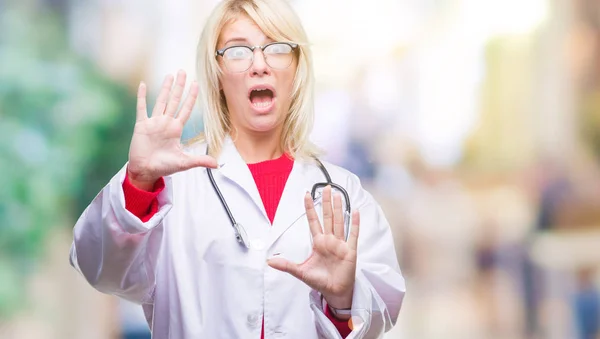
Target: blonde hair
pixel 279 22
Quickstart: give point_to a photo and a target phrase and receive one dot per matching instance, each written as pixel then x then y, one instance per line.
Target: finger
pixel 141 112
pixel 161 101
pixel 338 216
pixel 354 230
pixel 327 211
pixel 311 215
pixel 176 94
pixel 189 161
pixel 285 265
pixel 189 103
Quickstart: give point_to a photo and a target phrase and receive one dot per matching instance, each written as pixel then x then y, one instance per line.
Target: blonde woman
pixel 238 234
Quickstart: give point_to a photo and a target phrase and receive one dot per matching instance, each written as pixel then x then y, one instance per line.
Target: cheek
pixel 285 79
pixel 288 87
pixel 233 89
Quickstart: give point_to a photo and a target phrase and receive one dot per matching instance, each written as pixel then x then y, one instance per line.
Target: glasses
pixel 278 55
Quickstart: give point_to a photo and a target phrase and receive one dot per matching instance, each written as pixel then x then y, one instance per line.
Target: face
pixel 259 98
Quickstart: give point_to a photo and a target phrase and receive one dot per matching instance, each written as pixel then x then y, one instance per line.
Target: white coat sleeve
pixel 379 288
pixel 113 249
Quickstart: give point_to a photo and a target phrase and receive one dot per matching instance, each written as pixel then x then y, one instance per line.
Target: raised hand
pixel 156 149
pixel 331 267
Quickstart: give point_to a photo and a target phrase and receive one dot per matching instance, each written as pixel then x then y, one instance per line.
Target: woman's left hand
pixel 331 267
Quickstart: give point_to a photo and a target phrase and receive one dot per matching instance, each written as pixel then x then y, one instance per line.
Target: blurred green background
pixel 63 129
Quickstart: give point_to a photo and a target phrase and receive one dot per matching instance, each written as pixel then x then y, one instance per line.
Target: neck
pixel 257 147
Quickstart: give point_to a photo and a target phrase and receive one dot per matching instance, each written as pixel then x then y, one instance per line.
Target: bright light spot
pixel 501 17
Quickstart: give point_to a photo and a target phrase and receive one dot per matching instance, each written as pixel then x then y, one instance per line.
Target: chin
pixel 264 123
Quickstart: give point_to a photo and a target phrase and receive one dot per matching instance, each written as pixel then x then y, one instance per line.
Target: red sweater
pixel 270 177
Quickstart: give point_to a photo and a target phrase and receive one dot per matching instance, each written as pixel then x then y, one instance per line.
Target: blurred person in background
pixel 586 305
pixel 242 233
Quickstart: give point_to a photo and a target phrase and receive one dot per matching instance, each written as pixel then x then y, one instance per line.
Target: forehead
pixel 242 29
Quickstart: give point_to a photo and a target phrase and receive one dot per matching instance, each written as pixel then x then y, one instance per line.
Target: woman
pixel 164 232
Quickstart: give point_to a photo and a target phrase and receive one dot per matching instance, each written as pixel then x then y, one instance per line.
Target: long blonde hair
pixel 279 22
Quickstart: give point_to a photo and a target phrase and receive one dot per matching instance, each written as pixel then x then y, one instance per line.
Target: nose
pixel 259 66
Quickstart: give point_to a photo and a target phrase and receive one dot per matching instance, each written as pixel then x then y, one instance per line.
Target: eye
pixel 278 48
pixel 238 52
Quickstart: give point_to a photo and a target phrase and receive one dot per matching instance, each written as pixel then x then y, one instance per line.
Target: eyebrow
pixel 244 41
pixel 236 40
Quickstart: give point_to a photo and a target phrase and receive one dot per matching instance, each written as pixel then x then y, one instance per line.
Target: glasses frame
pixel 221 53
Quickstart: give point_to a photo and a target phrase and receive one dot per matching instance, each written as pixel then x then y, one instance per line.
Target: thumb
pixel 192 160
pixel 285 265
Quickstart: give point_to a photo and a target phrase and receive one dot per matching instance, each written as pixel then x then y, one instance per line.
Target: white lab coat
pixel 193 278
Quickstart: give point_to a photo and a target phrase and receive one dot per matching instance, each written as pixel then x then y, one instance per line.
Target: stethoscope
pixel 239 231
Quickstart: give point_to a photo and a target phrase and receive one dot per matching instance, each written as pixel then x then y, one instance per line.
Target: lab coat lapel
pixel 291 205
pixel 234 168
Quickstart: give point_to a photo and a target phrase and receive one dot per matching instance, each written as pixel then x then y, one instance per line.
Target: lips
pixel 260 88
pixel 261 97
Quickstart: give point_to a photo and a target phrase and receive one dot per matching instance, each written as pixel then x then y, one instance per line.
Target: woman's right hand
pixel 156 149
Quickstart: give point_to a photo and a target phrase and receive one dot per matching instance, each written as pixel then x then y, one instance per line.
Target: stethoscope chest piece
pixel 241 235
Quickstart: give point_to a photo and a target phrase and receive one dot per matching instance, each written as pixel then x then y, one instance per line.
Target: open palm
pixel 331 267
pixel 156 149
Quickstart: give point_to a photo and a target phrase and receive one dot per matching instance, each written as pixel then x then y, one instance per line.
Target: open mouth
pixel 262 97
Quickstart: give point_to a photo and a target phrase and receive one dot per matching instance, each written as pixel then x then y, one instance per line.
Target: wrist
pixel 340 314
pixel 140 182
pixel 340 307
pixel 343 301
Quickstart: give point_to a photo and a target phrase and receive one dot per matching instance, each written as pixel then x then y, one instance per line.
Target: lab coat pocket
pixel 220 246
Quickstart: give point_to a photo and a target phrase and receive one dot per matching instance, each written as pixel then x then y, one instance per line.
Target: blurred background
pixel 475 124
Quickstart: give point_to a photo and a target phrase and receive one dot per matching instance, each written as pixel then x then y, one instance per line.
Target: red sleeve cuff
pixel 343 326
pixel 142 204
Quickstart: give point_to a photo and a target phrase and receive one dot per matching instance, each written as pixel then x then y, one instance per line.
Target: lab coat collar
pixel 291 205
pixel 234 168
